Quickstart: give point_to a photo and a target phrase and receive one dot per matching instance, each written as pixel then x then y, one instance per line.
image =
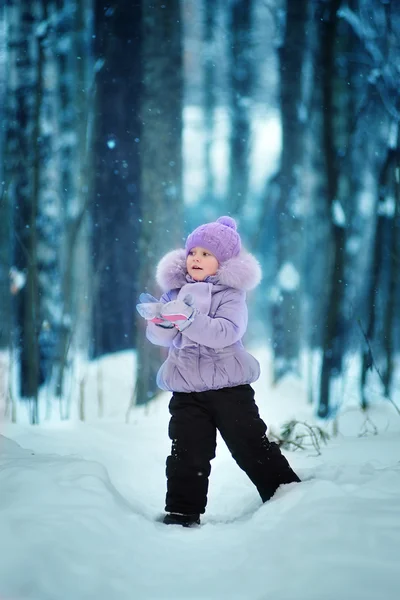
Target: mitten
pixel 149 308
pixel 179 312
pixel 145 297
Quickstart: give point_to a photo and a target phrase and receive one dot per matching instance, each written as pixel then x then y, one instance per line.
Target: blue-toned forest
pixel 125 125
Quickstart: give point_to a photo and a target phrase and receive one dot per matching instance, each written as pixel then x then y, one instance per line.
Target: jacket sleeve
pixel 226 327
pixel 158 335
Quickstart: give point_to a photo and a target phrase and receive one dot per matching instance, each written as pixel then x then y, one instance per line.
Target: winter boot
pixel 180 519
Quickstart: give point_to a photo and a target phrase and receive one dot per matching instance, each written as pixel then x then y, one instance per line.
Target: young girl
pixel 201 318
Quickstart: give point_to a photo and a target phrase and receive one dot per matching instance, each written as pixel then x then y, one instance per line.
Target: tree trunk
pixel 22 177
pixel 335 127
pixel 209 63
pixel 69 151
pixel 5 237
pixel 372 305
pixel 75 93
pixel 381 98
pixel 5 208
pixel 116 189
pixel 49 222
pixel 286 306
pixel 393 287
pixel 241 85
pixel 161 162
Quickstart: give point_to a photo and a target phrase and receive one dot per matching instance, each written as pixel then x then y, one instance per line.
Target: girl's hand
pixel 179 313
pixel 145 297
pixel 151 312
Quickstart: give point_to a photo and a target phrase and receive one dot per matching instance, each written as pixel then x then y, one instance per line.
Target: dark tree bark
pixel 116 189
pixel 70 158
pixel 22 185
pixel 5 235
pixel 389 342
pixel 379 256
pixel 161 162
pixel 376 29
pixel 49 220
pixel 76 74
pixel 286 305
pixel 5 205
pixel 336 127
pixel 241 85
pixel 328 33
pixel 391 319
pixel 210 100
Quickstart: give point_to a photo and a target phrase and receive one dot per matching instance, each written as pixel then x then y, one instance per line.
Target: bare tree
pixel 161 161
pixel 25 66
pixel 34 179
pixel 241 85
pixel 383 287
pixel 5 208
pixel 116 186
pixel 5 232
pixel 49 224
pixel 391 323
pixel 76 75
pixel 286 305
pixel 210 100
pixel 377 31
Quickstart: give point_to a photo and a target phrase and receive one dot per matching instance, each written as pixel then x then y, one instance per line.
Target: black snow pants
pixel 195 418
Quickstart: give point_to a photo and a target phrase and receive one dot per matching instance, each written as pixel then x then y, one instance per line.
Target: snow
pixel 17 279
pixel 288 277
pixel 387 208
pixel 338 216
pixel 80 502
pixel 366 200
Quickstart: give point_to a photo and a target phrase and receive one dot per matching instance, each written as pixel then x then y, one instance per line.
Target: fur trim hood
pixel 242 272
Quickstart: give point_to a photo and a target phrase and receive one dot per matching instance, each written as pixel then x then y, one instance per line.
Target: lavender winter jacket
pixel 209 354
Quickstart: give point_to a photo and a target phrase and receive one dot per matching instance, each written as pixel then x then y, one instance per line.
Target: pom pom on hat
pixel 228 221
pixel 219 237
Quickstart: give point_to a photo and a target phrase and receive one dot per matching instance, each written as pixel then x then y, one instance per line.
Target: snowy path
pixel 78 508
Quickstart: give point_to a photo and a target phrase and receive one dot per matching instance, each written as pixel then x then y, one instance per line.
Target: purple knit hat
pixel 220 237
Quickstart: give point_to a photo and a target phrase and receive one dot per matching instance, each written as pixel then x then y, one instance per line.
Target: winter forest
pixel 123 127
pixel 126 125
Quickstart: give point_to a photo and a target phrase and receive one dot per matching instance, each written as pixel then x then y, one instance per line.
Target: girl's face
pixel 200 263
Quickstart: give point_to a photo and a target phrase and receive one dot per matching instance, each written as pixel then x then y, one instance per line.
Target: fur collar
pixel 243 272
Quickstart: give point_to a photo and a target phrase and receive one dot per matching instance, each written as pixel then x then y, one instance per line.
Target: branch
pixel 381 76
pixel 373 364
pixel 289 438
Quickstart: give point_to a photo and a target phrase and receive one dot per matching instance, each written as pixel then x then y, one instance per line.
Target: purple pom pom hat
pixel 219 237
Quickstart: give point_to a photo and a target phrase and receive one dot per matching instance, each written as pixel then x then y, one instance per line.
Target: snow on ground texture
pixel 79 505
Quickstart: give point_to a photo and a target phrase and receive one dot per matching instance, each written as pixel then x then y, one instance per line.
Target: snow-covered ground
pixel 79 505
